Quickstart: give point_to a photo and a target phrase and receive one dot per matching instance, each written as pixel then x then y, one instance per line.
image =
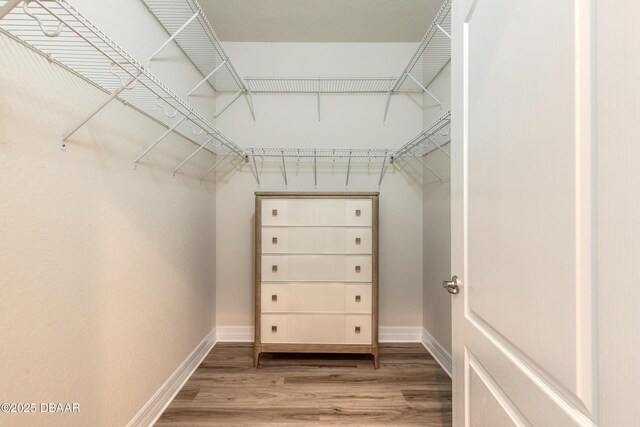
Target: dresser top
pixel 315 194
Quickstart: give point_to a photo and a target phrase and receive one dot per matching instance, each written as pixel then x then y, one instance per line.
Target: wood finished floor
pixel 410 388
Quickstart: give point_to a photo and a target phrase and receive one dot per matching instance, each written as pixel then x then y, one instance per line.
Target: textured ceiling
pixel 321 20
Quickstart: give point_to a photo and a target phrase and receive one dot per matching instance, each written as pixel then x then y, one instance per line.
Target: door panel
pixel 521 238
pixel 521 203
pixel 484 404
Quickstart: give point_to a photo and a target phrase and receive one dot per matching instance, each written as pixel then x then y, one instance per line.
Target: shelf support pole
pixel 8 7
pixel 426 166
pixel 284 168
pixel 382 169
pixel 443 31
pixel 348 168
pixel 212 168
pixel 250 99
pixel 228 104
pixel 315 168
pixel 386 108
pixel 319 89
pixel 191 156
pixel 85 119
pixel 424 89
pixel 207 78
pixel 152 146
pixel 439 147
pixel 173 36
pixel 255 167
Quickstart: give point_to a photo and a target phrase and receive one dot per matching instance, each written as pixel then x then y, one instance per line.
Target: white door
pixel 523 336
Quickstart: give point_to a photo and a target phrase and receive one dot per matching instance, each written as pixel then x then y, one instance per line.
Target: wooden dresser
pixel 316 273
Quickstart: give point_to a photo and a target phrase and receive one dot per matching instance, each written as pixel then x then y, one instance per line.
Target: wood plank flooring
pixel 410 388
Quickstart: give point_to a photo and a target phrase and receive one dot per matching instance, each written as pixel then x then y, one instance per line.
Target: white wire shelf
pixel 351 158
pixel 432 55
pixel 198 41
pixel 322 85
pixel 58 31
pixel 433 137
pixel 324 153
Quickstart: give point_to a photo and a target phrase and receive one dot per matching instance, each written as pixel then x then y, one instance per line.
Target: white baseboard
pixel 152 410
pixel 400 334
pixel 387 333
pixel 438 352
pixel 235 333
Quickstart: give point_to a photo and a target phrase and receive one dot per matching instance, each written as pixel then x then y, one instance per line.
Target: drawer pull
pixel 274 329
pixel 357 269
pixel 358 240
pixel 274 240
pixel 274 268
pixel 358 298
pixel 357 329
pixel 274 297
pixel 358 212
pixel 274 212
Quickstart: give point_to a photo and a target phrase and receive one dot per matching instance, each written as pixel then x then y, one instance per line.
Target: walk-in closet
pixel 319 212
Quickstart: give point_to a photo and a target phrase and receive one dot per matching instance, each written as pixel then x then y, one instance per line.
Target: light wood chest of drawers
pixel 316 273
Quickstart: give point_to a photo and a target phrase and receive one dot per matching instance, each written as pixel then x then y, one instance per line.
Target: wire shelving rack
pixel 190 29
pixel 433 137
pixel 322 85
pixel 57 30
pixel 432 55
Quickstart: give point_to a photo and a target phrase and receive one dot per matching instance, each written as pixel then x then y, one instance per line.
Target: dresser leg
pixel 376 358
pixel 256 357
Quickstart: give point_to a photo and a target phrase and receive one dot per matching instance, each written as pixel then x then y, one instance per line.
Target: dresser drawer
pixel 357 329
pixel 358 268
pixel 338 268
pixel 320 240
pixel 325 212
pixel 275 268
pixel 273 328
pixel 359 212
pixel 316 328
pixel 358 298
pixel 358 240
pixel 303 328
pixel 275 212
pixel 304 297
pixel 316 267
pixel 274 297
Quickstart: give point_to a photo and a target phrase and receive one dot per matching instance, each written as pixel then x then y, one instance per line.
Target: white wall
pixel 347 121
pixel 436 199
pixel 107 274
